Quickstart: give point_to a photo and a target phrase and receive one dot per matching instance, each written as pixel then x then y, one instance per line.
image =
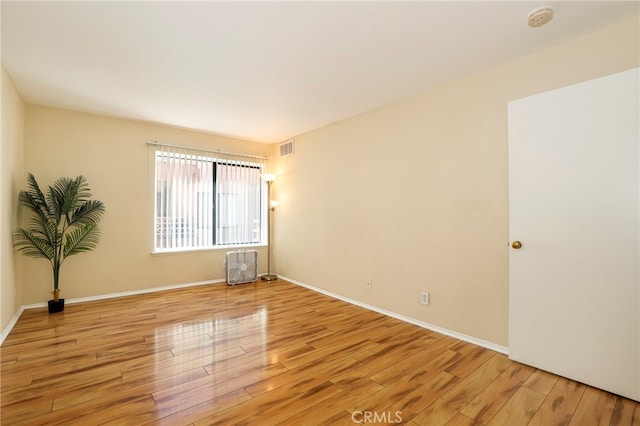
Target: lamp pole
pixel 269 276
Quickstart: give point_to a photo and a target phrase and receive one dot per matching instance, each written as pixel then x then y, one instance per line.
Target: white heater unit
pixel 242 266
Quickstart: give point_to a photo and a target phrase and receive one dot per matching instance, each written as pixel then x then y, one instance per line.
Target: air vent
pixel 286 148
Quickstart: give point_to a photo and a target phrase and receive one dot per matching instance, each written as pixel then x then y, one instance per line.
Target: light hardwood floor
pixel 267 354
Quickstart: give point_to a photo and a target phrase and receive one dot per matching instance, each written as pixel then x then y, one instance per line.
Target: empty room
pixel 320 213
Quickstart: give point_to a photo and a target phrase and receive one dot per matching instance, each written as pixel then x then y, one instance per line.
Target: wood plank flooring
pixel 269 354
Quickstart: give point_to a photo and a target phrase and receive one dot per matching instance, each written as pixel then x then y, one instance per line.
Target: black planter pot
pixel 56 306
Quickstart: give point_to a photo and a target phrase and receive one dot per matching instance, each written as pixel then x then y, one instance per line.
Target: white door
pixel 574 189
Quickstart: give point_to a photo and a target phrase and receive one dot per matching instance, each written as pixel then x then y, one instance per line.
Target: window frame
pixel 214 161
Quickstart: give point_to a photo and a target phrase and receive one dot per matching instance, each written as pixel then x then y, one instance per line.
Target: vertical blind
pixel 207 199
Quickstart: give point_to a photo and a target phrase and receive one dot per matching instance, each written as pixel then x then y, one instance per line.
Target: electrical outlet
pixel 424 298
pixel 368 284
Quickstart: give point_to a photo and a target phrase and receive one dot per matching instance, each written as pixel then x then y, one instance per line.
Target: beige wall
pixel 11 171
pixel 113 155
pixel 414 195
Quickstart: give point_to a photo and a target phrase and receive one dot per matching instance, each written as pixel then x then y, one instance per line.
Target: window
pixel 206 202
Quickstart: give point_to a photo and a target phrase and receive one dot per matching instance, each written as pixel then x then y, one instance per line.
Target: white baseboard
pixel 12 323
pixel 127 293
pixel 441 330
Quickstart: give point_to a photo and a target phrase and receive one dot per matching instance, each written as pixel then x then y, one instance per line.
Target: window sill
pixel 205 249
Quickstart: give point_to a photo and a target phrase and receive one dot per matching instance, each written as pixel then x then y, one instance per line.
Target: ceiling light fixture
pixel 540 16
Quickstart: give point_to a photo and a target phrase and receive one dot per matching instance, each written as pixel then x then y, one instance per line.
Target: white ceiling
pixel 267 71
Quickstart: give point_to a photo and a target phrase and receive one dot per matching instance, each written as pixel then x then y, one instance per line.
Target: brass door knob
pixel 516 245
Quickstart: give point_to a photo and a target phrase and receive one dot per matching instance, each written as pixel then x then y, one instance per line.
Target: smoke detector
pixel 540 16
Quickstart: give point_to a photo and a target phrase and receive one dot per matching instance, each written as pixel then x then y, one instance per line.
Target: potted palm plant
pixel 64 223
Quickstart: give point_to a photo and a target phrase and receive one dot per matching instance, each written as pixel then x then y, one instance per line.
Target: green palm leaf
pixel 33 245
pixel 89 212
pixel 34 198
pixel 82 238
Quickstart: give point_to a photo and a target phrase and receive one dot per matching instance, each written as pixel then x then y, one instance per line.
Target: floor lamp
pixel 269 178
